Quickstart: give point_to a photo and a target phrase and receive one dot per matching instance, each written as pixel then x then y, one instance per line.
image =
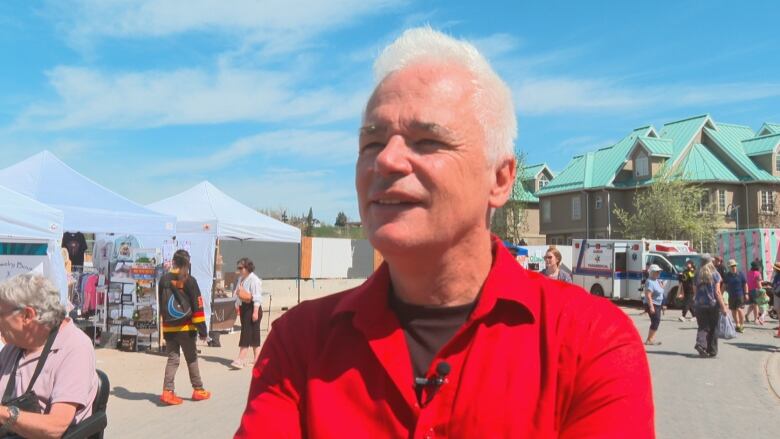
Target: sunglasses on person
pixel 240 267
pixel 548 257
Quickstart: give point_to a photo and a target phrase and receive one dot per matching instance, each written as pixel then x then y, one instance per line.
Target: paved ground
pixel 728 397
pixel 725 397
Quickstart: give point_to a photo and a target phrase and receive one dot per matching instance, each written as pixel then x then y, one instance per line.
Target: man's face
pixel 422 174
pixel 733 268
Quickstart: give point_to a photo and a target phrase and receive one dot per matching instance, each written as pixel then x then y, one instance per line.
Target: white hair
pixel 37 292
pixel 492 98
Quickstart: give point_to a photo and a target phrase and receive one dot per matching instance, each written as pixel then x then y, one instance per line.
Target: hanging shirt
pixel 123 248
pixel 76 245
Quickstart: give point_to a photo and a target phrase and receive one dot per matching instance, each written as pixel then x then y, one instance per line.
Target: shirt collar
pixel 507 282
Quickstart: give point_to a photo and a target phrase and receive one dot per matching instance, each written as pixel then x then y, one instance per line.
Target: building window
pixel 543 181
pixel 642 166
pixel 777 162
pixel 598 202
pixel 546 211
pixel 767 202
pixel 576 211
pixel 704 203
pixel 722 200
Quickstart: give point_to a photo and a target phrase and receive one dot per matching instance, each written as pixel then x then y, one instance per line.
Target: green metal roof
pixel 657 147
pixel 701 165
pixel 770 128
pixel 519 193
pixel 530 171
pixel 583 173
pixel 761 145
pixel 729 138
pixel 571 178
pixel 681 133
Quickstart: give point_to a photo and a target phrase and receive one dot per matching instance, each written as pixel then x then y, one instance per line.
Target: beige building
pixel 532 179
pixel 740 168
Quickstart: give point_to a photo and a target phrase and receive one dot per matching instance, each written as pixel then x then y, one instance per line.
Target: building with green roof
pixel 739 167
pixel 530 180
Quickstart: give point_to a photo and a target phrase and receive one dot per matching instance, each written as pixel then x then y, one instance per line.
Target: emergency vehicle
pixel 614 268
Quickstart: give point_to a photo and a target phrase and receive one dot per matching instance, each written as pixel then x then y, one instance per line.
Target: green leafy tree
pixel 670 208
pixel 510 221
pixel 341 219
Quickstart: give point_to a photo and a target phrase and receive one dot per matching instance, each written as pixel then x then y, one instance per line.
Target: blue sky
pixel 263 98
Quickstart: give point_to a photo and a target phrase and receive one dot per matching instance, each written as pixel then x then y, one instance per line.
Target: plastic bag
pixel 726 328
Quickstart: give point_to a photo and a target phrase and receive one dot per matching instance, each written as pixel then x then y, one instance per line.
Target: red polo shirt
pixel 537 358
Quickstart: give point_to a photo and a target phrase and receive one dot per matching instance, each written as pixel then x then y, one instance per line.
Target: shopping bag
pixel 726 328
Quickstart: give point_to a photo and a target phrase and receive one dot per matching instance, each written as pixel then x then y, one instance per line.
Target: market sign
pixel 12 265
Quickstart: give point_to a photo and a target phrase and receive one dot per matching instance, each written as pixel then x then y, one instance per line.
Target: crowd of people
pixel 709 292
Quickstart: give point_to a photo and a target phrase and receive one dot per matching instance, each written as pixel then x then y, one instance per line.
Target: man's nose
pixel 394 157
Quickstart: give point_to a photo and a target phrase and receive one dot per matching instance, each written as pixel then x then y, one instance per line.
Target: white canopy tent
pixel 87 206
pixel 205 214
pixel 24 220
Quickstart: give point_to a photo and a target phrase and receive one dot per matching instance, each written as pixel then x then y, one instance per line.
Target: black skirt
pixel 250 331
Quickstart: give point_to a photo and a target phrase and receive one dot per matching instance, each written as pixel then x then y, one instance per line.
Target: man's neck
pixel 449 277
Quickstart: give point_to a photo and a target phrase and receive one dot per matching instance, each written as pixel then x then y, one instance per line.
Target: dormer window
pixel 642 166
pixel 543 181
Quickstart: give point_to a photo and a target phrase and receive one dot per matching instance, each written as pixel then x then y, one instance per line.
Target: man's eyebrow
pixel 431 127
pixel 371 129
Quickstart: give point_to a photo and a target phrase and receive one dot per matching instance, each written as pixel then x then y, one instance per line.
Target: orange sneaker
pixel 170 398
pixel 200 395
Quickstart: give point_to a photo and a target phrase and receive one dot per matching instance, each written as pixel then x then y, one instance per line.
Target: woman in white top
pixel 248 297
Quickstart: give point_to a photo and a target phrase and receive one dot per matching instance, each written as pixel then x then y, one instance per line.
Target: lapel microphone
pixel 435 381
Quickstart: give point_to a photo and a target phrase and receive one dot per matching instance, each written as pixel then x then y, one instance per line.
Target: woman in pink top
pixel 754 279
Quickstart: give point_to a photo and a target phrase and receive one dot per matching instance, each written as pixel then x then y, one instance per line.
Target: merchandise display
pixel 76 244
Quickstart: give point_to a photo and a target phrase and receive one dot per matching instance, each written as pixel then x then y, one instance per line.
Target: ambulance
pixel 614 268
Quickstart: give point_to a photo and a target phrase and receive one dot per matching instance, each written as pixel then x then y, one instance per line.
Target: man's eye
pixel 371 145
pixel 429 143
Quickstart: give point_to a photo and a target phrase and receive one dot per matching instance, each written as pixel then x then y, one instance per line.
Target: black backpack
pixel 175 306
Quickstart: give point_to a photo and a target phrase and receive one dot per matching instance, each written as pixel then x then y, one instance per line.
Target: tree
pixel 510 221
pixel 670 208
pixel 341 220
pixel 309 222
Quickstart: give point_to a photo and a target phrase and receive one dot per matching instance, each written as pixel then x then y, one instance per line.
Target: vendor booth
pixel 114 291
pixel 30 235
pixel 205 215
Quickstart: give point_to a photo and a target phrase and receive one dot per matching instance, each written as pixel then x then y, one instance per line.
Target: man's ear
pixel 505 171
pixel 29 313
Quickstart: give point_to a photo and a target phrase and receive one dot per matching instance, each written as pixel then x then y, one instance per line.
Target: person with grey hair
pixel 46 354
pixel 450 337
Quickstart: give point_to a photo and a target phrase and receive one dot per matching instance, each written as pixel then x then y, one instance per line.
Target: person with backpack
pixel 708 304
pixel 181 310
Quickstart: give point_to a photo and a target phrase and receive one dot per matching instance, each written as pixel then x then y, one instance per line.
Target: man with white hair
pixel 450 337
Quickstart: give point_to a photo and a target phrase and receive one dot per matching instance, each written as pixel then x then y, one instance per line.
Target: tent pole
pixel 298 274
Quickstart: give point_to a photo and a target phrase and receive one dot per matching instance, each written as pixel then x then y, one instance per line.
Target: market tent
pixel 86 205
pixel 24 220
pixel 204 215
pixel 205 209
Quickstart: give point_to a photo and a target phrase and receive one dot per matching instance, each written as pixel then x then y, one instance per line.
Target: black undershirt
pixel 427 329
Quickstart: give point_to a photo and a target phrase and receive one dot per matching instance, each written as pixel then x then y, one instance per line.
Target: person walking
pixel 762 304
pixel 686 290
pixel 181 307
pixel 248 306
pixel 653 300
pixel 736 285
pixel 552 265
pixel 708 300
pixel 754 280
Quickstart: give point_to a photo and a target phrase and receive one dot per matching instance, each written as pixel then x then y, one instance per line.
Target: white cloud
pixel 92 98
pixel 553 95
pixel 495 45
pixel 324 147
pixel 276 22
